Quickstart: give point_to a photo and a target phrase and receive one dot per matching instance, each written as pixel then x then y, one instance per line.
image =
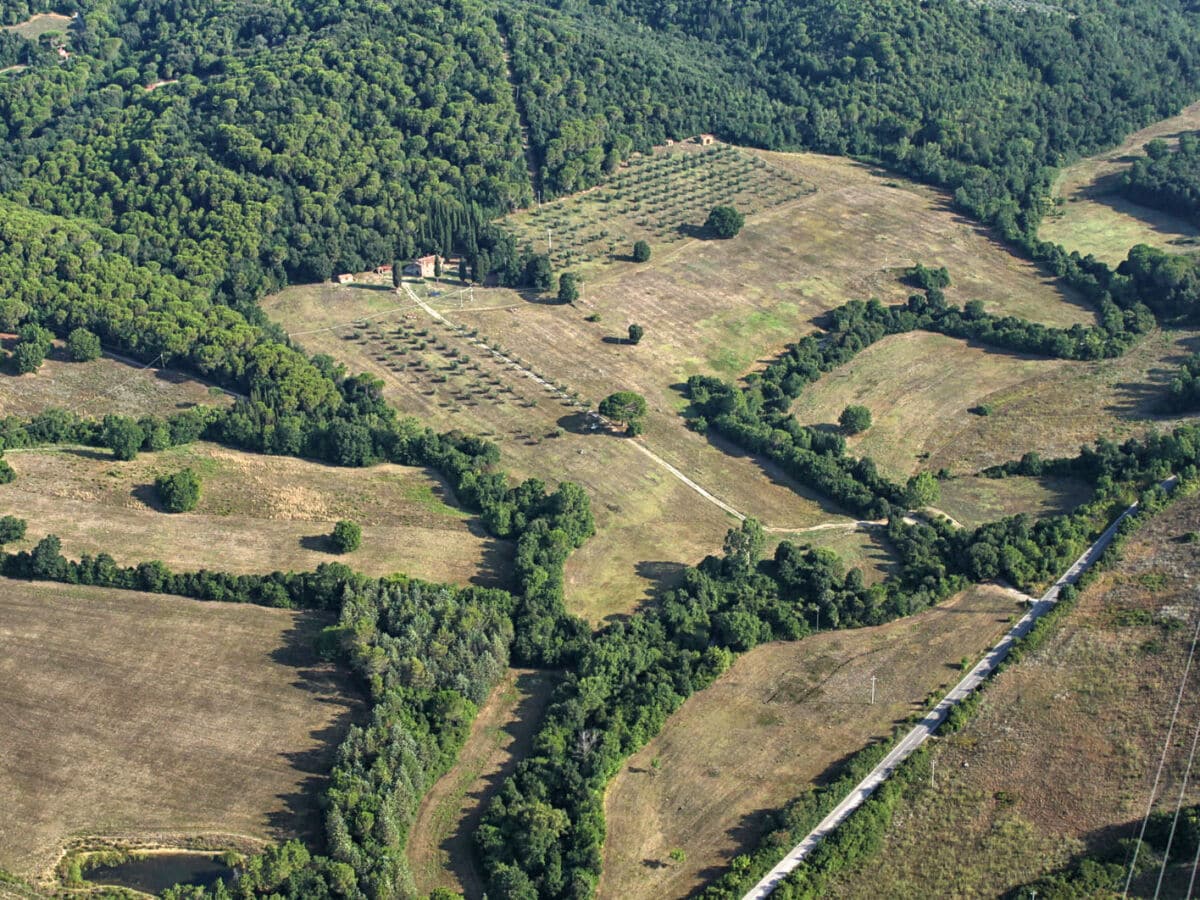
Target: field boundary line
pixel 935 717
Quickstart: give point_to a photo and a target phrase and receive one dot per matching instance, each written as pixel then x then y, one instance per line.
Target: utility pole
pixel 932 771
pixel 872 690
pixel 549 242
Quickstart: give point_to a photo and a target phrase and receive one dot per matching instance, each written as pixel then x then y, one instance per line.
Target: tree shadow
pixel 299 814
pixel 146 493
pixel 495 566
pixel 317 543
pixel 699 232
pixel 662 575
pixel 363 286
pixel 536 688
pixel 89 453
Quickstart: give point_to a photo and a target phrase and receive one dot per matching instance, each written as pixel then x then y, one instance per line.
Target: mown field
pixel 1091 216
pixel 256 513
pixel 1062 756
pixel 773 725
pixel 923 390
pixel 440 848
pixel 135 714
pixel 717 307
pixel 100 387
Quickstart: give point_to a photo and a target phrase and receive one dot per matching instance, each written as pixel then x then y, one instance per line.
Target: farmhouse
pixel 383 270
pixel 423 267
pixel 705 139
pixel 345 279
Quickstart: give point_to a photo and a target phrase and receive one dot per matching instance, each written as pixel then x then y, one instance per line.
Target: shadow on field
pixel 459 847
pixel 299 815
pixel 145 493
pixel 317 543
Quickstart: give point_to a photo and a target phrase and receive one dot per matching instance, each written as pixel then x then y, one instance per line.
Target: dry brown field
pixel 921 387
pixel 716 307
pixel 1091 216
pixel 775 724
pixel 1061 757
pixel 440 844
pixel 256 513
pixel 102 386
pixel 137 714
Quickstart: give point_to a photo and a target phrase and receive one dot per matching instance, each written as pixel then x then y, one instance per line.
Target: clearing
pixel 42 23
pixel 1092 216
pixel 100 387
pixel 715 307
pixel 256 513
pixel 921 388
pixel 776 723
pixel 1061 756
pixel 145 715
pixel 440 845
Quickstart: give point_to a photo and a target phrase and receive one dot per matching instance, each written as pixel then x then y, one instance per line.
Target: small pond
pixel 158 871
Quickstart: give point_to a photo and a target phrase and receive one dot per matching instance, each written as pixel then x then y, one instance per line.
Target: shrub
pixel 82 345
pixel 855 419
pixel 11 529
pixel 346 537
pixel 179 492
pixel 635 333
pixel 641 252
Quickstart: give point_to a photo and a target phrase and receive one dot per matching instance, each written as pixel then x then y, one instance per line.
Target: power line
pixel 1187 773
pixel 1162 759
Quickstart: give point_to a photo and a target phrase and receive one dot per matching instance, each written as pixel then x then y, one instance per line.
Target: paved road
pixel 915 738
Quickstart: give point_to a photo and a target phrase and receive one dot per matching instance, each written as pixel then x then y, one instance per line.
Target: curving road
pixel 919 734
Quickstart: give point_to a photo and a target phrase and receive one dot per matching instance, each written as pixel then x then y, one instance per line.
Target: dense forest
pixel 1167 179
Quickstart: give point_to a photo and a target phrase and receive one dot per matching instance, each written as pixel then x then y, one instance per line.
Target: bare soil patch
pixel 142 714
pixel 782 717
pixel 1062 755
pixel 256 513
pixel 440 845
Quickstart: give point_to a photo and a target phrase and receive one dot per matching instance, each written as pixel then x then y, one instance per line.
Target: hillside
pixel 1060 760
pixel 790 252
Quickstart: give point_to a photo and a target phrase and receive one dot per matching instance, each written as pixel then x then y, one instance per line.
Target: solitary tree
pixel 346 537
pixel 82 345
pixel 122 435
pixel 179 492
pixel 724 222
pixel 397 273
pixel 625 407
pixel 635 333
pixel 568 287
pixel 855 419
pixel 641 252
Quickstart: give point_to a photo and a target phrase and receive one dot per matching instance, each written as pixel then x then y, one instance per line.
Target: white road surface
pixel 937 715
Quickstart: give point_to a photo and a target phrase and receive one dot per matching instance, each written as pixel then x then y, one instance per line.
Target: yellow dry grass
pixel 256 513
pixel 141 714
pixel 769 728
pixel 1062 755
pixel 716 307
pixel 920 388
pixel 102 386
pixel 1091 216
